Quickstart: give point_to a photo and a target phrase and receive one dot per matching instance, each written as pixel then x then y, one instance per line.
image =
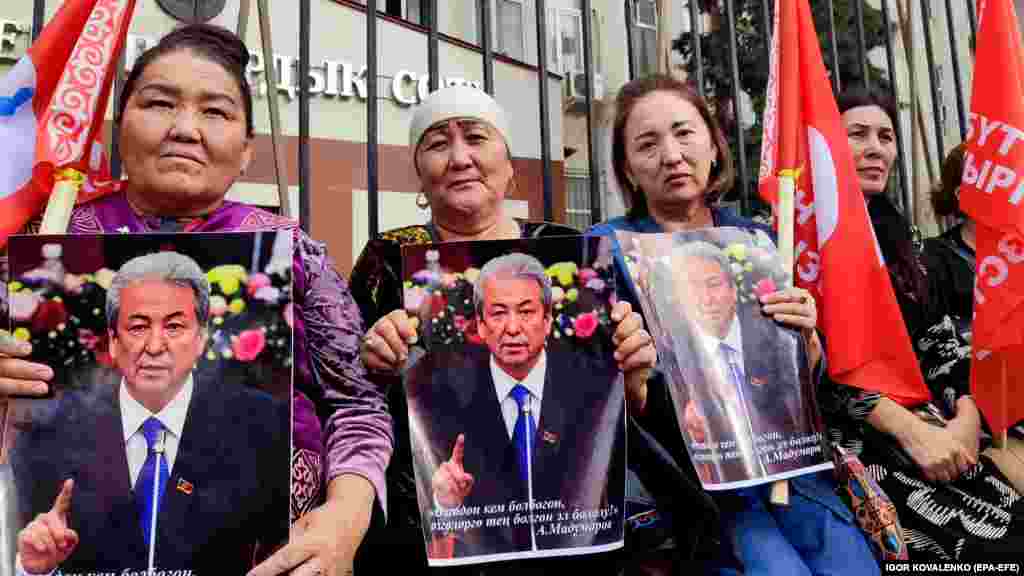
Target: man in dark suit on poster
pixel 204 462
pixel 477 409
pixel 741 372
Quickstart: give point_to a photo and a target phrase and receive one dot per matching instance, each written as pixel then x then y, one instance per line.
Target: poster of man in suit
pixel 152 454
pixel 516 404
pixel 739 381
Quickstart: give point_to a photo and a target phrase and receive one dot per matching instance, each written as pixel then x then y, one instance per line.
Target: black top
pixel 950 264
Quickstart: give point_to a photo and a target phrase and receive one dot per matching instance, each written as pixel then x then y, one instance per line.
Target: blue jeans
pixel 814 535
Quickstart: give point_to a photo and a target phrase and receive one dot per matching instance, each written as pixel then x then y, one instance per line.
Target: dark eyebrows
pixel 470 124
pixel 180 314
pixel 654 134
pixel 863 126
pixel 176 92
pixel 466 124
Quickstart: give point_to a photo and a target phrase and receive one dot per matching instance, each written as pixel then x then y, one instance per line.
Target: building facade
pixel 625 45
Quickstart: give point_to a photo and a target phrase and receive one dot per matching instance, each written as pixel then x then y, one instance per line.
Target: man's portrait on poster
pixel 516 420
pixel 740 380
pixel 152 442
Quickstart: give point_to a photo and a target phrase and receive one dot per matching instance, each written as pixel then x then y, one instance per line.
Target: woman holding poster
pixel 459 136
pixel 186 121
pixel 926 458
pixel 672 162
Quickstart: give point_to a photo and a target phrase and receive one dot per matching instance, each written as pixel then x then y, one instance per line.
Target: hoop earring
pixel 422 202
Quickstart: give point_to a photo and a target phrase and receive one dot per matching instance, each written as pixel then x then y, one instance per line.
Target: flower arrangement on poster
pixel 582 299
pixel 63 316
pixel 754 267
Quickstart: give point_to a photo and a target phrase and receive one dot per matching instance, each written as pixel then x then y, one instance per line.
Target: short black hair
pixel 858 95
pixel 213 43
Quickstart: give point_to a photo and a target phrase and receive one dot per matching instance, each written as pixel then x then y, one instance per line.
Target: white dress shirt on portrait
pixel 503 385
pixel 732 397
pixel 172 416
pixel 133 414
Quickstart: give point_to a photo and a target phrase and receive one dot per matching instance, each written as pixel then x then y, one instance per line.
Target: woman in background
pixel 925 458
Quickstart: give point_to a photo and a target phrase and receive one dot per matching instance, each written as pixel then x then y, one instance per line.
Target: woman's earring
pixel 422 202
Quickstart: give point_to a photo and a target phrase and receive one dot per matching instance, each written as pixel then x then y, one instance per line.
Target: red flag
pixel 837 255
pixel 997 359
pixel 52 107
pixel 991 193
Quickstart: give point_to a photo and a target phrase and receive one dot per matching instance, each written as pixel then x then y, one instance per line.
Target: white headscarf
pixel 456 102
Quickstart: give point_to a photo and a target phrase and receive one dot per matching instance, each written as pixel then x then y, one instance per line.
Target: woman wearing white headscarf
pixel 459 139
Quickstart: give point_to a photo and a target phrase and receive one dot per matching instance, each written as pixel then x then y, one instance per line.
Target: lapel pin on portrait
pixel 185 487
pixel 550 437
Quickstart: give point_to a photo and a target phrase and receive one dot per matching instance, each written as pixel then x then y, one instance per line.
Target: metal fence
pixel 594 183
pixel 429 17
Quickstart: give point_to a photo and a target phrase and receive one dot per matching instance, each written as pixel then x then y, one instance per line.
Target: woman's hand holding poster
pixel 740 382
pixel 516 405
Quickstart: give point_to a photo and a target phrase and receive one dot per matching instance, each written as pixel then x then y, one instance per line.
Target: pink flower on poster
pixel 585 325
pixel 248 345
pixel 764 286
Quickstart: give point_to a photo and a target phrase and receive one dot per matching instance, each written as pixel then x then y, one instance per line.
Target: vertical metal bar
pixel 280 173
pixel 371 117
pixel 38 17
pixel 243 19
pixel 837 82
pixel 485 44
pixel 955 60
pixel 305 184
pixel 862 50
pixel 933 79
pixel 115 132
pixel 432 48
pixel 741 148
pixel 545 127
pixel 972 17
pixel 588 79
pixel 695 34
pixel 890 56
pixel 766 24
pixel 629 39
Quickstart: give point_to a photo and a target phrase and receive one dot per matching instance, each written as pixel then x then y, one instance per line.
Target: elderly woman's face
pixel 669 149
pixel 183 135
pixel 464 166
pixel 873 142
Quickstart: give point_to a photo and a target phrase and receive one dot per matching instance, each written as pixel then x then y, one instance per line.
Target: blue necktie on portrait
pixel 524 432
pixel 145 501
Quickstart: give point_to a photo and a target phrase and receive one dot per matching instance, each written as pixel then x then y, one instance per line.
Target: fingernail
pixel 24 348
pixel 411 340
pixel 44 373
pixel 40 388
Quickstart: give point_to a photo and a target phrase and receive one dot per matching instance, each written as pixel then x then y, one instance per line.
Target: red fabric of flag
pixel 837 255
pixel 67 76
pixel 991 194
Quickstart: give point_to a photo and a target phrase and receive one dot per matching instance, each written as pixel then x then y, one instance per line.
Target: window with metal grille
pixel 511 41
pixel 577 206
pixel 645 37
